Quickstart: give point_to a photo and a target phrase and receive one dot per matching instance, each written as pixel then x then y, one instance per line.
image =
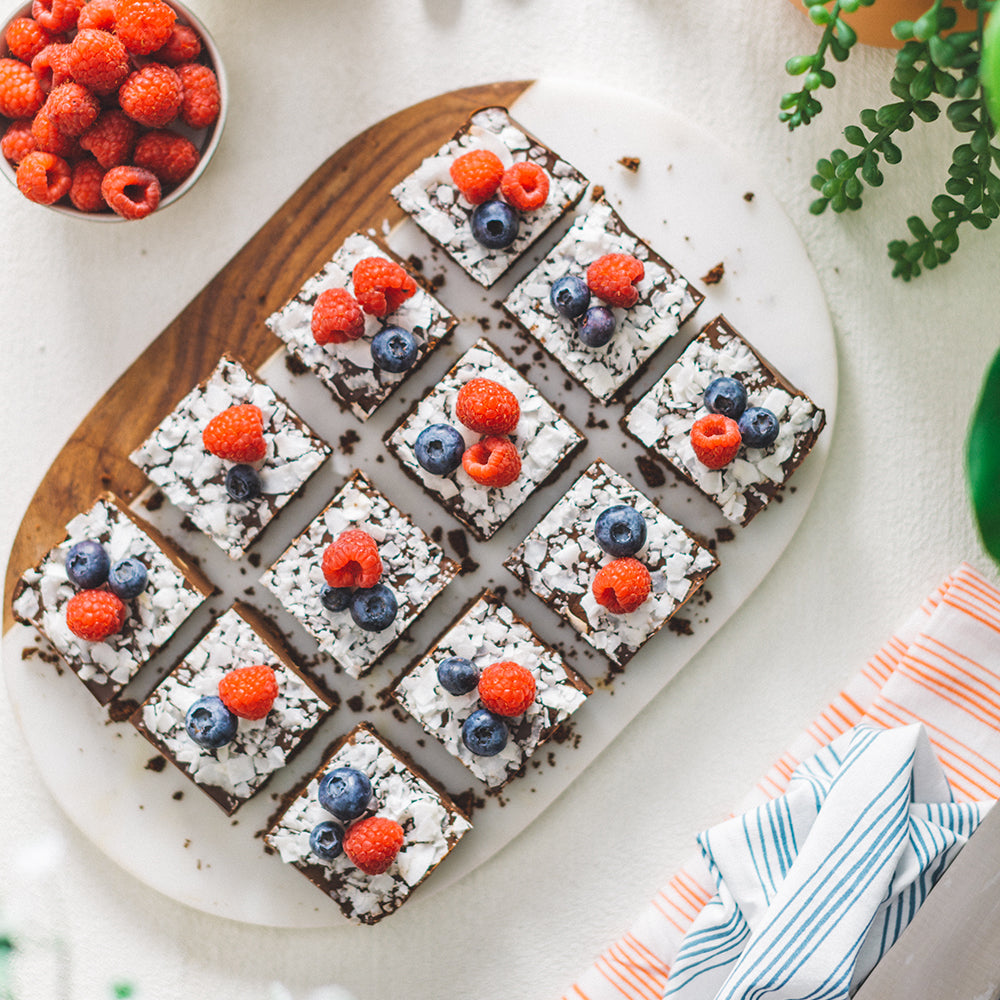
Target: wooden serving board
pixel 344 194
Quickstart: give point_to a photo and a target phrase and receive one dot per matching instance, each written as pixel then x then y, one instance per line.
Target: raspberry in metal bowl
pixel 109 109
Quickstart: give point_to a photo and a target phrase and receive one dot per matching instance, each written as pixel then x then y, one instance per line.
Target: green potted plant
pixel 941 65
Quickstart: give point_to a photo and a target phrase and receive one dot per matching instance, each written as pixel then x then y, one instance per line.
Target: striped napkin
pixel 936 681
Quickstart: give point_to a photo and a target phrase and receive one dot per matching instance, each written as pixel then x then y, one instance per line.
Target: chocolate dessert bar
pixel 175 458
pixel 174 589
pixel 485 632
pixel 559 558
pixel 347 369
pixel 545 441
pixel 430 197
pixel 666 300
pixel 233 773
pixel 413 567
pixel 663 417
pixel 432 825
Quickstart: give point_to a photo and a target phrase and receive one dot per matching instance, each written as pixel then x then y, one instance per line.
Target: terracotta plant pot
pixel 874 24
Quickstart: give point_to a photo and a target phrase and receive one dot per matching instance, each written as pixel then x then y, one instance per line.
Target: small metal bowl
pixel 207 140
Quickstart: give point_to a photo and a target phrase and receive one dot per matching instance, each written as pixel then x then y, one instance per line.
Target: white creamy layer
pixel 542 437
pixel 347 369
pixel 489 633
pixel 665 301
pixel 413 567
pixel 559 559
pixel 152 618
pixel 194 480
pixel 436 205
pixel 662 421
pixel 430 830
pixel 261 746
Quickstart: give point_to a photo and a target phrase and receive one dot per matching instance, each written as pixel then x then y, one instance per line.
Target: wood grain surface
pixel 349 191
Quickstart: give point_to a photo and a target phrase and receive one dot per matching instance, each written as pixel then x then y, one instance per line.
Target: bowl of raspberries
pixel 109 109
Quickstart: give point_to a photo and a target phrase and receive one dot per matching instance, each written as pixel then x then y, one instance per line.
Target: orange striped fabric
pixel 941 669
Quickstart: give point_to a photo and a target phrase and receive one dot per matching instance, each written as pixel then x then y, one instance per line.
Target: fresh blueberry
pixel 326 840
pixel 570 296
pixel 484 733
pixel 495 225
pixel 345 792
pixel 597 326
pixel 128 578
pixel 374 608
pixel 394 349
pixel 209 723
pixel 242 483
pixel 87 564
pixel 758 427
pixel 439 449
pixel 457 675
pixel 620 530
pixel 726 396
pixel 335 598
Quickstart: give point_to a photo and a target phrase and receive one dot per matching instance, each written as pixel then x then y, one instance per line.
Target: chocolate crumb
pixel 593 422
pixel 680 626
pixel 458 541
pixel 120 709
pixel 715 274
pixel 597 192
pixel 156 763
pixel 630 163
pixel 749 196
pixel 437 533
pixel 356 703
pixel 417 263
pixel 725 534
pixel 348 440
pixel 254 559
pixel 653 475
pixel 155 501
pixel 177 796
pixel 294 365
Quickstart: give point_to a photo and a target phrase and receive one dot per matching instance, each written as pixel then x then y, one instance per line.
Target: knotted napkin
pixel 805 888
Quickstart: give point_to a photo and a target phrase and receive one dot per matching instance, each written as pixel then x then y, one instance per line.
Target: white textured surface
pixel 80 302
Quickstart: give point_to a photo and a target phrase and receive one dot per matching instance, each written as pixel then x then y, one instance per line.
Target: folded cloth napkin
pixel 937 681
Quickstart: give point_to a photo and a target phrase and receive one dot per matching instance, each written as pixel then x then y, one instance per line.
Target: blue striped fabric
pixel 814 886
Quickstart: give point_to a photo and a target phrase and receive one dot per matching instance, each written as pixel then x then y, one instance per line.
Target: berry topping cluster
pixel 243 693
pixel 486 407
pixel 717 436
pixel 479 176
pixel 622 585
pixel 381 286
pixel 97 610
pixel 370 842
pixel 611 278
pixel 352 569
pixel 237 435
pixel 505 689
pixel 95 93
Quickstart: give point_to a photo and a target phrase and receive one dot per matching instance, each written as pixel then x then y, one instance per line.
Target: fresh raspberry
pixel 131 192
pixel 44 177
pixel 373 843
pixel 151 95
pixel 494 461
pixel 144 25
pixel 506 688
pixel 71 108
pixel 51 66
pixel 381 286
pixel 182 46
pixel 201 100
pixel 621 585
pixel 525 186
pixel 167 154
pixel 336 317
pixel 94 614
pixel 716 439
pixel 56 15
pixel 25 38
pixel 85 191
pixel 111 138
pixel 352 560
pixel 21 95
pixel 97 14
pixel 249 692
pixel 236 434
pixel 477 174
pixel 18 141
pixel 612 278
pixel 98 60
pixel 49 138
pixel 487 407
